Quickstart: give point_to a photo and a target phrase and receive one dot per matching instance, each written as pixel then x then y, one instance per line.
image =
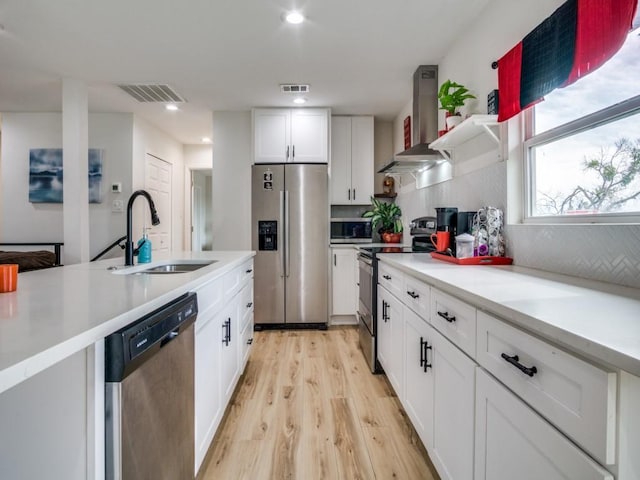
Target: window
pixel 583 145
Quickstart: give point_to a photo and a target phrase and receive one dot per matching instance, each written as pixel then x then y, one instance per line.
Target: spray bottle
pixel 144 248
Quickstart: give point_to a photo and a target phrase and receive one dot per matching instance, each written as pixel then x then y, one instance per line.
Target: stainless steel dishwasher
pixel 149 395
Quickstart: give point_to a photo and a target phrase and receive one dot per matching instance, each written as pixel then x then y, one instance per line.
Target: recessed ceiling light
pixel 299 100
pixel 294 17
pixel 206 140
pixel 171 107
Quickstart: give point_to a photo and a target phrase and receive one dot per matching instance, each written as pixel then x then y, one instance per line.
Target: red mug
pixel 441 241
pixel 8 277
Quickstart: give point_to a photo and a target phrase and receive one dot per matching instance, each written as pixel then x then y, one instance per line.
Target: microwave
pixel 350 230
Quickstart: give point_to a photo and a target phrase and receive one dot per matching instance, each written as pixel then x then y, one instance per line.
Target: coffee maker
pixel 448 219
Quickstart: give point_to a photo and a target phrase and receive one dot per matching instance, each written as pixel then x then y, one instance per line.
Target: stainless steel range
pixel 421 230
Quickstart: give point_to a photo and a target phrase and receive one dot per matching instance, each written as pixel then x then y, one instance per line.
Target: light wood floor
pixel 308 408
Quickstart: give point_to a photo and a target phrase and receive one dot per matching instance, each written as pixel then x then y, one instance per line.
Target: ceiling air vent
pixel 153 93
pixel 294 88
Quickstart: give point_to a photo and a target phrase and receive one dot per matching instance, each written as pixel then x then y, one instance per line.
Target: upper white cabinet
pixel 282 135
pixel 352 169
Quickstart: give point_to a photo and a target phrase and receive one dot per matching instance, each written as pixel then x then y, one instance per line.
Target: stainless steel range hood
pixel 425 125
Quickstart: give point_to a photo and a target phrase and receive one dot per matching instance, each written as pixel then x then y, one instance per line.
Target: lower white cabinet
pixel 419 387
pixel 439 397
pixel 390 337
pixel 512 441
pixel 344 281
pixel 223 328
pixel 208 404
pixel 453 387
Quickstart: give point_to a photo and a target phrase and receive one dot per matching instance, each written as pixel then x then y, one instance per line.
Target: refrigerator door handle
pixel 287 231
pixel 281 230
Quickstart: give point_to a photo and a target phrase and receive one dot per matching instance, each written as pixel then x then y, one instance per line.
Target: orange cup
pixel 8 277
pixel 441 241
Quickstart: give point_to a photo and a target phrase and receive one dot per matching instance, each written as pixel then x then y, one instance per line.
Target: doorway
pixel 158 184
pixel 201 210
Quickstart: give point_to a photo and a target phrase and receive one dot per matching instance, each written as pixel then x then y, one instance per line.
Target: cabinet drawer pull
pixel 249 305
pixel 424 346
pixel 249 271
pixel 385 305
pixel 386 277
pixel 413 295
pixel 531 371
pixel 250 341
pixel 446 316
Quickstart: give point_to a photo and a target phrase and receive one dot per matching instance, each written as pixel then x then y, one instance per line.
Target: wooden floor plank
pixel 308 408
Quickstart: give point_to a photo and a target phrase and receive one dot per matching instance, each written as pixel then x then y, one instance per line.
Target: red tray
pixel 486 260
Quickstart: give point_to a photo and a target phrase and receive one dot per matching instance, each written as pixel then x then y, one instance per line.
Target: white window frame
pixel 609 114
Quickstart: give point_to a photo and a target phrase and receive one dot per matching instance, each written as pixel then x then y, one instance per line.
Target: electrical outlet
pixel 117 206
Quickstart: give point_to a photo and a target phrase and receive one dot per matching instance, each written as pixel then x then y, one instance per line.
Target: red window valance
pixel 575 40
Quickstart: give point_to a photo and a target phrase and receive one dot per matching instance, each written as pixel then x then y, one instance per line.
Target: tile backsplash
pixel 607 253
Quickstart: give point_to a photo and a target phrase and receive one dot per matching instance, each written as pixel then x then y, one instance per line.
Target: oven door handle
pixel 364 259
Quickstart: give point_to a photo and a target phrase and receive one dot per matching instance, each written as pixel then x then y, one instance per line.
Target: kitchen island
pixel 52 352
pixel 507 369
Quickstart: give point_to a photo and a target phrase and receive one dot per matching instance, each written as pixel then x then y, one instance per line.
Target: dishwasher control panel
pixel 130 346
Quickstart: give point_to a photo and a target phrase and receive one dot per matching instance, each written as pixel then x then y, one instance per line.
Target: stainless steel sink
pixel 168 267
pixel 176 268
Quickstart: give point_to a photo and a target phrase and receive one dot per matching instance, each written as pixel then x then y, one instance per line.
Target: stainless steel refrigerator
pixel 290 232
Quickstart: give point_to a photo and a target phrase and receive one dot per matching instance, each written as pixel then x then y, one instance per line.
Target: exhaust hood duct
pixel 425 125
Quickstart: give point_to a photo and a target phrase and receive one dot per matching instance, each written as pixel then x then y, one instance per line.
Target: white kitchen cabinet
pixel 512 441
pixel 419 375
pixel 439 396
pixel 452 450
pixel 390 337
pixel 208 401
pixel 223 329
pixel 282 135
pixel 352 170
pixel 343 281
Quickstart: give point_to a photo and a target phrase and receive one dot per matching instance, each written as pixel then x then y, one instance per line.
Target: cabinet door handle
pixel 424 362
pixel 386 277
pixel 446 316
pixel 412 294
pixel 249 341
pixel 229 334
pixel 354 193
pixel 249 305
pixel 224 334
pixel 287 159
pixel 335 260
pixel 384 311
pixel 249 271
pixel 349 193
pixel 514 360
pixel 293 152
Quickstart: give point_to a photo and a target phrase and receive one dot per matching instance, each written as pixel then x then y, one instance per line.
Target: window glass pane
pixel 594 172
pixel 615 81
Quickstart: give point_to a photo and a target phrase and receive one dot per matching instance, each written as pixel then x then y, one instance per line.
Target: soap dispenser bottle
pixel 144 248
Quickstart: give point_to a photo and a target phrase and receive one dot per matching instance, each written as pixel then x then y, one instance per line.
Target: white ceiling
pixel 357 55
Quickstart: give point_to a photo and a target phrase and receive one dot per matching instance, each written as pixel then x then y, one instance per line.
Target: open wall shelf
pixel 470 128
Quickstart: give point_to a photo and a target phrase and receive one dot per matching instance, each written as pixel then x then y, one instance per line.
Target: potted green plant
pixel 452 96
pixel 386 216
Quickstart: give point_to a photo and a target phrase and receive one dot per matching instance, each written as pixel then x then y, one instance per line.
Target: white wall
pixel 148 139
pixel 232 180
pixel 31 222
pixel 382 150
pixel 608 253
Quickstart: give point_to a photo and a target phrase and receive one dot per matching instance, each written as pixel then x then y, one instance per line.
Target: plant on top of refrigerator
pixel 386 215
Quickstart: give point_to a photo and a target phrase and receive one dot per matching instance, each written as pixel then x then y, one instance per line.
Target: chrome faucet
pixel 128 247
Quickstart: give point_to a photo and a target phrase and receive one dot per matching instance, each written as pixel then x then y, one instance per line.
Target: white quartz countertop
pixel 57 312
pixel 596 320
